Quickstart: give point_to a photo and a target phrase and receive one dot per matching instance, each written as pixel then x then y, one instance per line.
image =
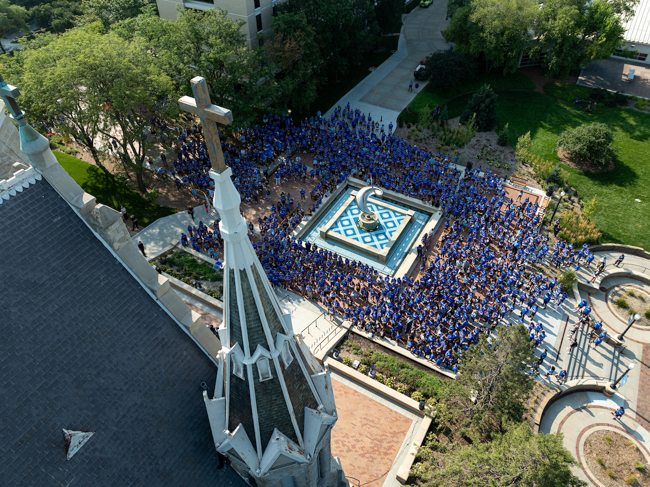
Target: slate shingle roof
pixel 84 347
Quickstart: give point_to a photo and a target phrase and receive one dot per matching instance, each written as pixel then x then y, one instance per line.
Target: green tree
pixel 484 104
pixel 57 16
pixel 590 143
pixel 572 33
pixel 389 15
pixel 205 44
pixel 494 30
pixel 495 380
pixel 446 68
pixel 346 29
pixel 12 18
pixel 294 55
pixel 517 458
pixel 110 12
pixel 97 86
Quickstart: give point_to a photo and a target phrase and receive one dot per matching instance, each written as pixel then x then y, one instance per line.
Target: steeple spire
pixel 273 406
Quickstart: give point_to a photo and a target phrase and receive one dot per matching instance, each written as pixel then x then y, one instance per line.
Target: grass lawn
pixel 110 191
pixel 331 92
pixel 448 96
pixel 619 217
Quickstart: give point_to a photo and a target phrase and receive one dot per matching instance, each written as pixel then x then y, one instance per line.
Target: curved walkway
pixel 580 413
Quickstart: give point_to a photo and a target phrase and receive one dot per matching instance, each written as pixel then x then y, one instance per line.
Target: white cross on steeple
pixel 210 115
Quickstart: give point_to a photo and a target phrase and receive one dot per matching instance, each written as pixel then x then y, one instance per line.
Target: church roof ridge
pixel 22 179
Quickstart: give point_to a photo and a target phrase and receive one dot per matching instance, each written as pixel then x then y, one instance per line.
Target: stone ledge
pixel 201 296
pixel 418 439
pixel 396 397
pixel 379 388
pixel 626 249
pixel 594 287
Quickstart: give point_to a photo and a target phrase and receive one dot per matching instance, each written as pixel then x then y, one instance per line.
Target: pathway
pixel 578 414
pixel 384 93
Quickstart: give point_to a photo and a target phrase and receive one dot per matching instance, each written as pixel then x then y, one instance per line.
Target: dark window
pixel 257 3
pixel 259 22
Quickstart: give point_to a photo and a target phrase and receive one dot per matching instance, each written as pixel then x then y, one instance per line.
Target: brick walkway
pixel 367 436
pixel 643 399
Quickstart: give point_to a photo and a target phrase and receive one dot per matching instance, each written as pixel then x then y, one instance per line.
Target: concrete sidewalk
pixel 384 93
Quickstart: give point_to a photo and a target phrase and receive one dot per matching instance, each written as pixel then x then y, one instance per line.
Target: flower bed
pixel 393 372
pixel 189 269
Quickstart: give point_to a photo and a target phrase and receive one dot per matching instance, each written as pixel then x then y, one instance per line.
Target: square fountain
pixel 401 221
pixel 378 243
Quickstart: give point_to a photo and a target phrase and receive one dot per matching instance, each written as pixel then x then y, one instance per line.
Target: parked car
pixel 425 3
pixel 419 70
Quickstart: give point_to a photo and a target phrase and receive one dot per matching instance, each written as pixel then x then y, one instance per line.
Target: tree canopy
pixel 563 34
pixel 447 68
pixel 484 104
pixel 518 457
pixel 572 33
pixel 12 18
pixel 204 44
pixel 589 143
pixel 345 29
pixel 495 380
pixel 94 86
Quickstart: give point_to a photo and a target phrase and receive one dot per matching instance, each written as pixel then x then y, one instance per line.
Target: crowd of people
pixel 471 279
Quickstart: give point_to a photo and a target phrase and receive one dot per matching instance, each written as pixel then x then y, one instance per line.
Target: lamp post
pixel 620 377
pixel 630 322
pixel 562 193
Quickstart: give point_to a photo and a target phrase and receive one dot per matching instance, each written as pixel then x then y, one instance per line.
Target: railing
pixel 324 341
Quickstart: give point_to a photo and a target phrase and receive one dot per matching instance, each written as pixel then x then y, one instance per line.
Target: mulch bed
pixel 619 455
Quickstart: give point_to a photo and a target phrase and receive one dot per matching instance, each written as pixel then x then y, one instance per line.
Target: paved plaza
pixel 612 74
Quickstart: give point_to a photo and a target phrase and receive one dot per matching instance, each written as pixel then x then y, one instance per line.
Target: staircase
pixel 541 396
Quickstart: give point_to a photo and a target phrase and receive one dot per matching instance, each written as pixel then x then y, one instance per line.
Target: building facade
pixel 256 15
pixel 637 33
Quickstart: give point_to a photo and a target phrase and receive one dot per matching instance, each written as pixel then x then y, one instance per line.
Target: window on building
pixel 639 56
pixel 257 3
pixel 264 369
pixel 259 22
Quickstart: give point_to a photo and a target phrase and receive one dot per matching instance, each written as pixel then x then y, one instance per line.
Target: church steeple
pixel 273 406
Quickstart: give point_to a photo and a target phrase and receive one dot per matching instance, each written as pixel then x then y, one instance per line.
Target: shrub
pixel 347 361
pixel 213 293
pixel 502 138
pixel 600 462
pixel 555 176
pixel 631 479
pixel 639 466
pixel 417 396
pixel 401 388
pixel 484 104
pixel 608 440
pixel 646 313
pixel 577 230
pixel 390 382
pixel 545 170
pixel 590 207
pixel 567 279
pixel 447 68
pixel 611 474
pixel 590 143
pixel 380 378
pixel 623 304
pixel 363 369
pixel 152 195
pixel 524 145
pixel 631 293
